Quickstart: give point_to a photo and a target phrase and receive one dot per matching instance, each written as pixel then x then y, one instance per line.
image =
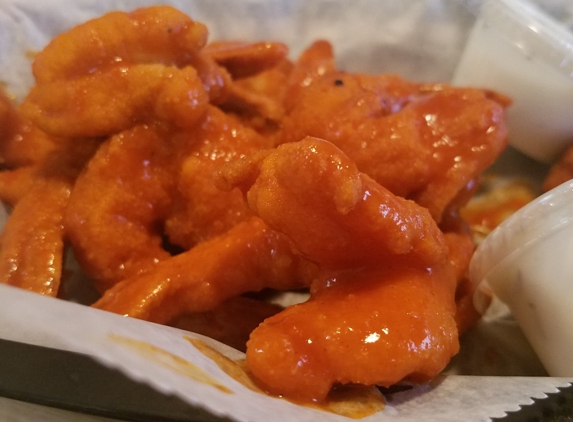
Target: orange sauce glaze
pixel 353 401
pixel 359 330
pixel 382 304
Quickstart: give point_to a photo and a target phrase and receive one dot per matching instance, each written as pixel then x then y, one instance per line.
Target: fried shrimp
pixel 269 94
pixel 184 175
pixel 259 99
pixel 422 145
pixel 32 242
pixel 139 61
pixel 344 335
pixel 21 143
pixel 118 203
pixel 150 182
pixel 200 210
pixel 125 96
pixel 330 203
pixel 384 306
pixel 159 34
pixel 36 182
pixel 248 257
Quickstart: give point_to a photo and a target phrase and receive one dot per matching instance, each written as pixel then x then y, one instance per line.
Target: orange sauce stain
pixel 171 361
pixel 31 54
pixel 352 401
pixel 235 369
pixel 487 211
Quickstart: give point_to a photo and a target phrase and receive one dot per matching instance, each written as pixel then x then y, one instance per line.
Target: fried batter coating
pixel 158 34
pixel 231 322
pixel 200 210
pixel 109 102
pixel 150 181
pixel 248 257
pixel 311 191
pixel 32 242
pixel 374 327
pixel 384 306
pixel 139 62
pixel 117 202
pixel 421 145
pixel 21 143
pixel 243 59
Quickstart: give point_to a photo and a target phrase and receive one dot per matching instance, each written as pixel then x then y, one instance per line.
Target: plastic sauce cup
pixel 517 50
pixel 527 262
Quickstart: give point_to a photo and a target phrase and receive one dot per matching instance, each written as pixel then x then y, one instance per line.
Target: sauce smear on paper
pixel 352 401
pixel 171 361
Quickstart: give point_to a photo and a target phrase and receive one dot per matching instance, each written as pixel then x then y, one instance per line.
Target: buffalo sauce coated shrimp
pixel 21 143
pixel 370 328
pixel 103 76
pixel 424 143
pixel 184 200
pixel 262 100
pixel 159 34
pixel 38 176
pixel 382 307
pixel 200 210
pixel 23 150
pixel 359 221
pixel 152 180
pixel 118 202
pixel 145 91
pixel 32 241
pixel 243 59
pixel 248 257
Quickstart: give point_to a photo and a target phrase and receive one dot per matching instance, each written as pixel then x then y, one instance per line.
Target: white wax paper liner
pixel 41 320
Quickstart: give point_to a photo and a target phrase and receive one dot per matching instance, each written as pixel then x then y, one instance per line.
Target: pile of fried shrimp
pixel 187 175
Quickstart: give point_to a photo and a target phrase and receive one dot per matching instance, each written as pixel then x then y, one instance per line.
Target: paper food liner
pixel 167 359
pixel 496 370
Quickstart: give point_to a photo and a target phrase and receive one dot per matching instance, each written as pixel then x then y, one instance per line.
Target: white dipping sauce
pixel 518 51
pixel 527 262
